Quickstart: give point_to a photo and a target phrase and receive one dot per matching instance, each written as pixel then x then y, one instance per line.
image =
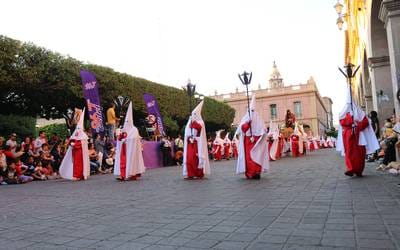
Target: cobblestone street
pixel 303 203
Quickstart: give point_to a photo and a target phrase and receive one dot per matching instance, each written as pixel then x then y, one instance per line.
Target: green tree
pixel 37 82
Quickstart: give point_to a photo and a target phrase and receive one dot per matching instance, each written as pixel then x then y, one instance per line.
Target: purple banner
pixel 154 114
pixel 91 94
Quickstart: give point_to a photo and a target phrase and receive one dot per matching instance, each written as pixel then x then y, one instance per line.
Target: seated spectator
pixel 94 160
pixel 42 139
pixel 10 155
pixel 21 173
pixel 57 155
pixel 27 148
pixel 39 173
pixel 1 142
pixel 30 164
pixel 3 164
pixel 109 158
pixel 179 157
pixel 9 174
pixel 388 144
pixel 12 142
pixel 45 155
pixel 54 139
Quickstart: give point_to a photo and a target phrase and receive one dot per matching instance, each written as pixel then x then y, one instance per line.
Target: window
pixel 273 111
pixel 297 109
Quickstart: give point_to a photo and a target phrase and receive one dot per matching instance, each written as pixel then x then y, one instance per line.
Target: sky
pixel 208 41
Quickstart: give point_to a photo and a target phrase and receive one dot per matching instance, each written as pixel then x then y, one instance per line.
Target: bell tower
pixel 275 80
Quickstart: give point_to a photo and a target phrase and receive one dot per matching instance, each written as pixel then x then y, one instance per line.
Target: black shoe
pixel 348 173
pixel 256 177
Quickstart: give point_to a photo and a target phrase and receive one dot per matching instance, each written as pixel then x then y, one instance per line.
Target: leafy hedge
pixel 60 129
pixel 22 125
pixel 35 81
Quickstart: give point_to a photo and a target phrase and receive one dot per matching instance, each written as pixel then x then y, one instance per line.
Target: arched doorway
pixel 379 65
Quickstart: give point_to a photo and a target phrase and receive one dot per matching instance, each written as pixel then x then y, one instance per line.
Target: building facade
pixel 372 35
pixel 273 101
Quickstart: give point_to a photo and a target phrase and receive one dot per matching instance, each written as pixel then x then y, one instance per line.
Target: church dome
pixel 275 72
pixel 275 80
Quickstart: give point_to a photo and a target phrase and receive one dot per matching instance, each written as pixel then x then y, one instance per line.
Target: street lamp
pixel 245 78
pixel 339 8
pixel 349 75
pixel 190 90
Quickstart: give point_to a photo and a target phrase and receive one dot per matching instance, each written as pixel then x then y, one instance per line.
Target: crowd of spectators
pixel 27 159
pixel 388 136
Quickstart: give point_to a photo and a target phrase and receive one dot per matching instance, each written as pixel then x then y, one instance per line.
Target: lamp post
pixel 190 90
pixel 245 78
pixel 349 74
pixel 339 8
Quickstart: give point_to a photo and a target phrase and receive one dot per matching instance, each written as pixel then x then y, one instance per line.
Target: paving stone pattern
pixel 303 203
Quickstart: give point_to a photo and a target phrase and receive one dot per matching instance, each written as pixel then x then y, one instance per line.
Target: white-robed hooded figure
pixel 195 153
pixel 218 146
pixel 356 138
pixel 253 146
pixel 296 142
pixel 129 164
pixel 235 146
pixel 76 162
pixel 274 142
pixel 227 147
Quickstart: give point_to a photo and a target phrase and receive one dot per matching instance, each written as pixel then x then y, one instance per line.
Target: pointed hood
pixel 226 139
pixel 257 123
pixel 253 103
pixel 351 107
pixel 128 123
pixel 196 113
pixel 218 138
pixel 79 133
pixel 273 130
pixel 296 129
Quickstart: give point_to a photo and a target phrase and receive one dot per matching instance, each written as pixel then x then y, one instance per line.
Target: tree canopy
pixel 37 82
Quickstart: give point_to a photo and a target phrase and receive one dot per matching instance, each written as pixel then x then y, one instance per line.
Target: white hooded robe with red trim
pixel 356 138
pixel 296 142
pixel 227 147
pixel 195 153
pixel 253 146
pixel 76 163
pixel 129 158
pixel 274 144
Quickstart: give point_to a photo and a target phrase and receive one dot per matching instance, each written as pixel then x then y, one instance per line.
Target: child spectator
pixel 94 160
pixel 57 155
pixel 30 164
pixel 21 173
pixel 39 173
pixel 46 157
pixel 9 174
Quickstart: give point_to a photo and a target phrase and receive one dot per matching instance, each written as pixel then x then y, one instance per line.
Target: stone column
pixel 390 15
pixel 381 80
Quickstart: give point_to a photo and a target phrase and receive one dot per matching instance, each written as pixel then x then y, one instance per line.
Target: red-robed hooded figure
pixel 253 146
pixel 129 164
pixel 275 142
pixel 356 137
pixel 195 155
pixel 296 142
pixel 227 147
pixel 235 146
pixel 76 163
pixel 218 146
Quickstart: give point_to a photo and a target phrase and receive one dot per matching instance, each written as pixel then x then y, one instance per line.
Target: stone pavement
pixel 303 203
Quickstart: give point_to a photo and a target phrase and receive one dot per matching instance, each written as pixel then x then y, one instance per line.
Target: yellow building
pixel 275 98
pixel 372 40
